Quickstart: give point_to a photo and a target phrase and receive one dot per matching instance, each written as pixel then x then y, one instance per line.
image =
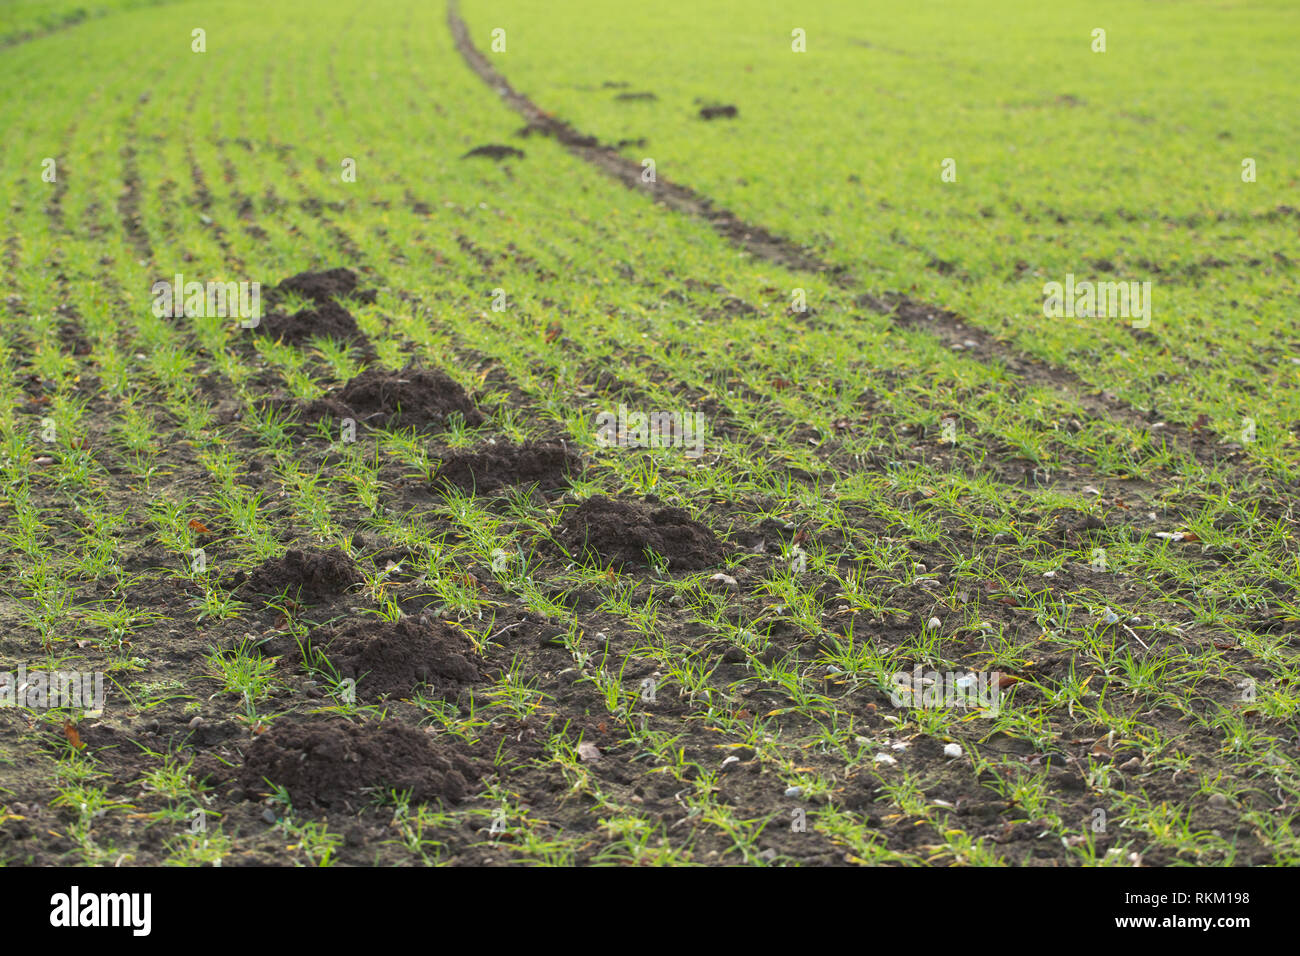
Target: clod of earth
pixel 546 464
pixel 411 398
pixel 323 286
pixel 327 320
pixel 622 532
pixel 718 112
pixel 308 575
pixel 392 659
pixel 332 763
pixel 495 151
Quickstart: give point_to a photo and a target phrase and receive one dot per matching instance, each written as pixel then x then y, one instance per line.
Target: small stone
pixel 268 815
pixel 934 624
pixel 952 750
pixel 1219 801
pixel 195 723
pixel 885 759
pixel 794 791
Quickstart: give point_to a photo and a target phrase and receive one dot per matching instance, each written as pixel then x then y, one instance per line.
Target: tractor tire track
pixel 904 311
pixel 74 19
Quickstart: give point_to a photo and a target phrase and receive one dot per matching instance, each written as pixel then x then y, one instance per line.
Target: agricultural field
pixel 597 434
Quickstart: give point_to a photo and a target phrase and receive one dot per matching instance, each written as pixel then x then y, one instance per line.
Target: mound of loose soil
pixel 726 111
pixel 305 575
pixel 546 464
pixel 495 151
pixel 411 398
pixel 329 763
pixel 324 286
pixel 620 532
pixel 326 320
pixel 325 317
pixel 387 659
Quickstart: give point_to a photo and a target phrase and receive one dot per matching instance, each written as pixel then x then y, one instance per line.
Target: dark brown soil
pixel 325 317
pixel 494 151
pixel 324 286
pixel 332 763
pixel 724 111
pixel 620 532
pixel 411 398
pixel 309 575
pixel 387 659
pixel 545 464
pixel 327 320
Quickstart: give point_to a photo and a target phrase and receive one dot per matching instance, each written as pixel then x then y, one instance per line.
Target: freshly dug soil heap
pixel 332 763
pixel 323 286
pixel 308 575
pixel 494 151
pixel 392 659
pixel 620 532
pixel 327 320
pixel 724 111
pixel 545 464
pixel 412 398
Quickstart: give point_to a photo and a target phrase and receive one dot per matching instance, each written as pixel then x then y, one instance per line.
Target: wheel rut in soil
pixel 906 312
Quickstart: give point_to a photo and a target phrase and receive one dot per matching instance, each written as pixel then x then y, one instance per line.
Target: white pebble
pixel 952 750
